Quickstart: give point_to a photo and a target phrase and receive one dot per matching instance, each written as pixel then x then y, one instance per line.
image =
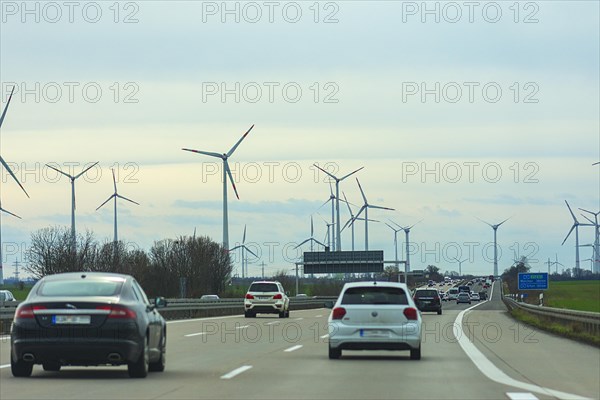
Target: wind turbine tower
pixel 495 228
pixel 114 196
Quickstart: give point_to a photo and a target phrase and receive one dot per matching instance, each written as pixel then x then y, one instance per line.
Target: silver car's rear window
pixel 375 295
pixel 79 288
pixel 263 287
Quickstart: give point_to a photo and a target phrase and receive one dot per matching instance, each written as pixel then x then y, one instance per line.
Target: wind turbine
pixel 244 247
pixel 495 228
pixel 395 239
pixel 330 199
pixel 311 239
pixel 596 253
pixel 460 265
pixel 575 226
pixel 365 208
pixel 116 195
pixel 407 233
pixel 72 179
pixel 1 271
pixel 226 173
pixel 14 177
pixel 338 239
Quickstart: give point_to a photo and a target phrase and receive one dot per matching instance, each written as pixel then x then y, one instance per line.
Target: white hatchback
pixel 374 316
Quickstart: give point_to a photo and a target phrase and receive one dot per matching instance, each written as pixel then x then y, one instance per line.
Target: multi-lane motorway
pixel 477 354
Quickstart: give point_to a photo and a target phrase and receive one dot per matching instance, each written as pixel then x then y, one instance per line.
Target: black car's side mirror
pixel 328 304
pixel 160 302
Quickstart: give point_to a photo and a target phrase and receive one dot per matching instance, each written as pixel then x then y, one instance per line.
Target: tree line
pixel 188 266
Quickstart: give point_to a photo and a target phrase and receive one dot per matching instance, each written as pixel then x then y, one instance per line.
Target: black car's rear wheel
pixel 20 368
pixel 415 354
pixel 334 354
pixel 139 368
pixel 159 365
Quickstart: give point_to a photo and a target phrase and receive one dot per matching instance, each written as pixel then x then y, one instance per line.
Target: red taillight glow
pixel 119 312
pixel 249 296
pixel 26 312
pixel 278 296
pixel 338 313
pixel 411 313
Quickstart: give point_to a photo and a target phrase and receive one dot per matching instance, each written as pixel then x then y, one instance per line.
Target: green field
pixel 574 295
pixel 19 294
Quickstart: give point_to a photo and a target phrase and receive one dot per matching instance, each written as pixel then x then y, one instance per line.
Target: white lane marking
pixel 242 327
pixel 272 323
pixel 195 334
pixel 494 373
pixel 293 348
pixel 318 316
pixel 4 366
pixel 179 321
pixel 236 372
pixel 325 336
pixel 521 396
pixel 298 319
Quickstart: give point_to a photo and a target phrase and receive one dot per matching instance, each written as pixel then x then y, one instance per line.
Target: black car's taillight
pixel 118 312
pixel 27 311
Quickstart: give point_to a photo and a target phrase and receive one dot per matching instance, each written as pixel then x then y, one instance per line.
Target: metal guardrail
pixel 187 308
pixel 589 321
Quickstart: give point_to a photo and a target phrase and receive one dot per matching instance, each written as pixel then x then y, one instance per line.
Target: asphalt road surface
pixel 477 354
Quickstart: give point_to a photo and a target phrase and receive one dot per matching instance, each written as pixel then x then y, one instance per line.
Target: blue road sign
pixel 533 281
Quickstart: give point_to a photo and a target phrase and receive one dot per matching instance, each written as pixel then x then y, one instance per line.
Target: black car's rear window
pixel 263 287
pixel 80 288
pixel 426 293
pixel 375 295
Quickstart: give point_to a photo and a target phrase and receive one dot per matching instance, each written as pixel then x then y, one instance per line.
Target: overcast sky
pixel 456 111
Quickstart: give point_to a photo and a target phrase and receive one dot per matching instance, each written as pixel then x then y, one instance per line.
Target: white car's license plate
pixel 373 333
pixel 71 319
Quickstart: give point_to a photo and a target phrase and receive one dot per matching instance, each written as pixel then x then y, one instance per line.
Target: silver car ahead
pixel 374 316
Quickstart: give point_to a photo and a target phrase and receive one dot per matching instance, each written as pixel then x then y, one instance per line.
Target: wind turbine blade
pixel 571 230
pixel 59 171
pixel 351 173
pixel 312 228
pixel 230 152
pixel 348 204
pixel 86 170
pixel 503 222
pixel 316 241
pixel 231 178
pixel 331 195
pixel 382 208
pixel 13 175
pixel 125 198
pixel 485 222
pixel 571 211
pixel 206 153
pixel 114 180
pixel 235 248
pixel 249 251
pixel 359 212
pixel 589 219
pixel 410 227
pixel 9 213
pixel 244 237
pixel 6 106
pixel 106 201
pixel 326 173
pixel 348 223
pixel 361 191
pixel 307 240
pixel 596 163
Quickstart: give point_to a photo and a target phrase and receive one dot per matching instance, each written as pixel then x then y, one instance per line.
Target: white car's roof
pixel 375 284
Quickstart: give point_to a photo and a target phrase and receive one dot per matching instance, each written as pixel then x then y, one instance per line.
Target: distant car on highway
pixel 85 319
pixel 452 294
pixel 483 295
pixel 374 316
pixel 475 297
pixel 208 297
pixel 6 295
pixel 463 297
pixel 428 300
pixel 266 297
pixel 302 295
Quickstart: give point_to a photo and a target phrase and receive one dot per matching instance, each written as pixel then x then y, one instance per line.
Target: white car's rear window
pixel 263 287
pixel 375 295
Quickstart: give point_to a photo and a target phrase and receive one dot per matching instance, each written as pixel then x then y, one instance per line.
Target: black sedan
pixel 87 319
